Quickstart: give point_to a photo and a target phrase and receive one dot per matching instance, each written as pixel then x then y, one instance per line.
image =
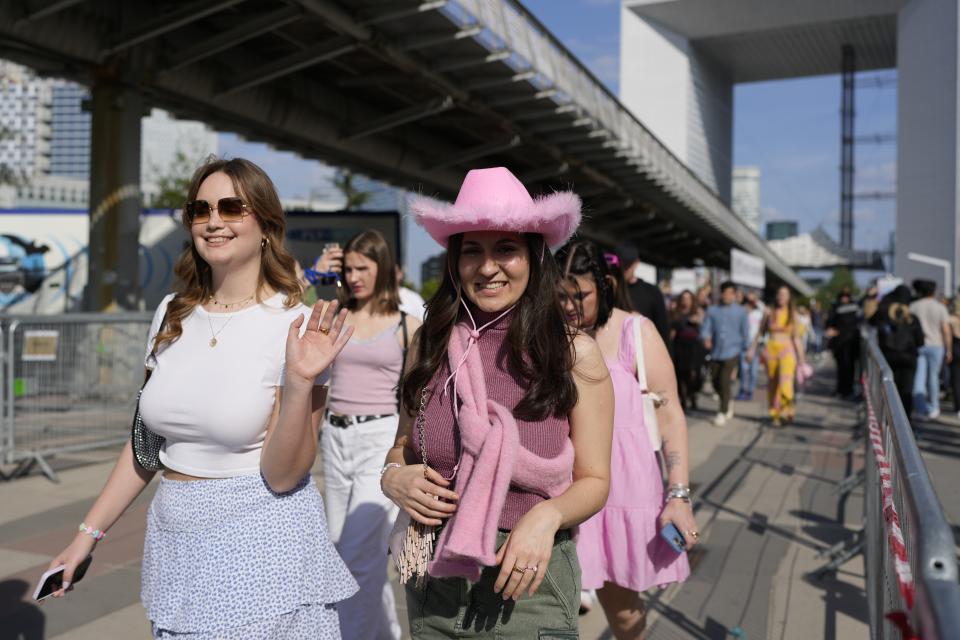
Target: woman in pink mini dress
pixel 620 549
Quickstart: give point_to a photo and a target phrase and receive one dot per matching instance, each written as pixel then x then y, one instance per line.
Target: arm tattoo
pixel 672 459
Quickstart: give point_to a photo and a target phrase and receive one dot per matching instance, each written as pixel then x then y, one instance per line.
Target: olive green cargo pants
pixel 457 608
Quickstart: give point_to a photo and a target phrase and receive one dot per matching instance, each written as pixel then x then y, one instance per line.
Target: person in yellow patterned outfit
pixel 782 354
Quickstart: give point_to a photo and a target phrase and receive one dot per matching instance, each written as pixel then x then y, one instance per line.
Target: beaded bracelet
pixel 96 533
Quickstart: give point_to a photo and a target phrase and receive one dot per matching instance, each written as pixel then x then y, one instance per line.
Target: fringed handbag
pixel 411 542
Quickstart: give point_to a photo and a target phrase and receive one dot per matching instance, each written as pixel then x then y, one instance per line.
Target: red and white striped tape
pixel 898 549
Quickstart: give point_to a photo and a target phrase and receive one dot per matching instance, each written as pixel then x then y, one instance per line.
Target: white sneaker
pixel 586 601
pixel 933 415
pixel 729 412
pixel 720 419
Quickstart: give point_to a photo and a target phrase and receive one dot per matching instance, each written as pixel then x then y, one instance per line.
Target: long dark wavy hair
pixel 584 258
pixel 540 344
pixel 277 266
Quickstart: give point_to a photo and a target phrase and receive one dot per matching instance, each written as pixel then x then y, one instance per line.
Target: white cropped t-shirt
pixel 213 404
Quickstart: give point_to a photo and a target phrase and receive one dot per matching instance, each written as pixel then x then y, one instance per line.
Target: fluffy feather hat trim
pixel 495 200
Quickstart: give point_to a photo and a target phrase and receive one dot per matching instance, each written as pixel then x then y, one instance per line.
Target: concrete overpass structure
pixel 681 58
pixel 411 92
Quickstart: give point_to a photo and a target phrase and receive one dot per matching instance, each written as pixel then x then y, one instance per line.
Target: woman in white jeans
pixel 359 429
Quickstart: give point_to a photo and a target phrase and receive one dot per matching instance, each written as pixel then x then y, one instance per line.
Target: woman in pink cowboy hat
pixel 504 442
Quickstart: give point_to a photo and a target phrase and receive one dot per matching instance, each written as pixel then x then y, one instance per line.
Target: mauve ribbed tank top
pixel 545 437
pixel 363 378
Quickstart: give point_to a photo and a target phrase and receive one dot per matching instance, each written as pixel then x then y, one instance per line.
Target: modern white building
pixel 25 117
pixel 46 141
pixel 163 138
pixel 746 195
pixel 680 59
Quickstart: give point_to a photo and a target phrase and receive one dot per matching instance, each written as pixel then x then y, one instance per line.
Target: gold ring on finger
pixel 694 534
pixel 534 568
pixel 518 570
pixel 324 331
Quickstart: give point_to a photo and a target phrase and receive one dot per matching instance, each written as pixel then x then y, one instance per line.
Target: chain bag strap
pixel 416 548
pixel 146 444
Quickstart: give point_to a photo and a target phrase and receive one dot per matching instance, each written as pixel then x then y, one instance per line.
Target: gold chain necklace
pixel 228 305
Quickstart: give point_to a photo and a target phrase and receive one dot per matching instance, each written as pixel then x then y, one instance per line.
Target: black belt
pixel 343 421
pixel 562 535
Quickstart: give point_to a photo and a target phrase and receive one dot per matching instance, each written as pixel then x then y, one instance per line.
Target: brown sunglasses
pixel 230 210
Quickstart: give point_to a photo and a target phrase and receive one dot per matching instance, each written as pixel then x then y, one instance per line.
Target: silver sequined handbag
pixel 146 444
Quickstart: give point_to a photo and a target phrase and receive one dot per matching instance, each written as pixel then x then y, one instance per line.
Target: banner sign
pixel 681 280
pixel 747 269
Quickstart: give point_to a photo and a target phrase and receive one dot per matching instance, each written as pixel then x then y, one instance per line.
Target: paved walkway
pixel 766 501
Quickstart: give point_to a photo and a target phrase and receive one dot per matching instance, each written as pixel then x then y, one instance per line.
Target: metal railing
pixel 911 564
pixel 69 383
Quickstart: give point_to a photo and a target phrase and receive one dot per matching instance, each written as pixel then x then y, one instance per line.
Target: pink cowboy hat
pixel 494 200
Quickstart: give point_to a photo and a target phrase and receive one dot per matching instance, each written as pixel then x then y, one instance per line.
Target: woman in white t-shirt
pixel 236 543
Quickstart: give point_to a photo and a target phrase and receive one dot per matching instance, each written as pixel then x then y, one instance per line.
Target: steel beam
pixel 847 117
pixel 631 219
pixel 457 63
pixel 427 40
pixel 498 81
pixel 39 9
pixel 512 99
pixel 473 153
pixel 404 116
pixel 375 80
pixel 166 23
pixel 397 14
pixel 221 42
pixel 543 174
pixel 322 52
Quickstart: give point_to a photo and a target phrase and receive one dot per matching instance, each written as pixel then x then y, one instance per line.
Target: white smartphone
pixel 52 580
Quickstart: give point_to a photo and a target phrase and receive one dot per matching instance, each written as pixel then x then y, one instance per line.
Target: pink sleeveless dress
pixel 622 543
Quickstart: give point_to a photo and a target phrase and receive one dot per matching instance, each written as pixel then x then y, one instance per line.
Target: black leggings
pixel 955 382
pixel 903 379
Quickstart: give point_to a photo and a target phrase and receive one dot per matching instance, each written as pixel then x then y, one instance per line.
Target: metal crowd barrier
pixel 911 564
pixel 69 384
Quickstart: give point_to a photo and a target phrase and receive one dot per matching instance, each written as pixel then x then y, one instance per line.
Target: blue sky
pixel 790 129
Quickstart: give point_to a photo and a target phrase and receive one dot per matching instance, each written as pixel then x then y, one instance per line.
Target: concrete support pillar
pixel 113 281
pixel 928 132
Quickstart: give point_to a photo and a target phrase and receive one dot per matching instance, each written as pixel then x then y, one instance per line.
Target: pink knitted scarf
pixel 491 460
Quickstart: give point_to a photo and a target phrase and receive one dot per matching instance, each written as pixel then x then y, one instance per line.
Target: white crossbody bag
pixel 650 400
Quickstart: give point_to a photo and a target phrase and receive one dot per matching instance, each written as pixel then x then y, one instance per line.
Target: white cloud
pixel 882 176
pixel 771 214
pixel 601 56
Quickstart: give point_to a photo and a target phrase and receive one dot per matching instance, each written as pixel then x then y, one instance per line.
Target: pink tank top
pixel 363 378
pixel 545 438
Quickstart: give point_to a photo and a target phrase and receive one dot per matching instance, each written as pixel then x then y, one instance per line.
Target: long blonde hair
pixel 277 266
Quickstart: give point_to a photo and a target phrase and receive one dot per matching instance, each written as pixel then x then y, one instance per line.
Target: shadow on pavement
pixel 20 619
pixel 839 597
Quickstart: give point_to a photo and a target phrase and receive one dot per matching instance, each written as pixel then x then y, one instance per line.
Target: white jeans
pixel 360 519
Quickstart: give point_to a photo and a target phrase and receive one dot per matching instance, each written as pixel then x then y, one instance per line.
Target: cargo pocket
pixel 563 579
pixel 558 634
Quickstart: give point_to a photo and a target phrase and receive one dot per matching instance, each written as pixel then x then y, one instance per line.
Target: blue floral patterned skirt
pixel 229 558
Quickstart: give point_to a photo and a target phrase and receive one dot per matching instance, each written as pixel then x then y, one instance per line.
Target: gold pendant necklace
pixel 214 334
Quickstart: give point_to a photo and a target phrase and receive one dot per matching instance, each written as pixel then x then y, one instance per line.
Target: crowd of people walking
pixel 531 402
pixel 540 392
